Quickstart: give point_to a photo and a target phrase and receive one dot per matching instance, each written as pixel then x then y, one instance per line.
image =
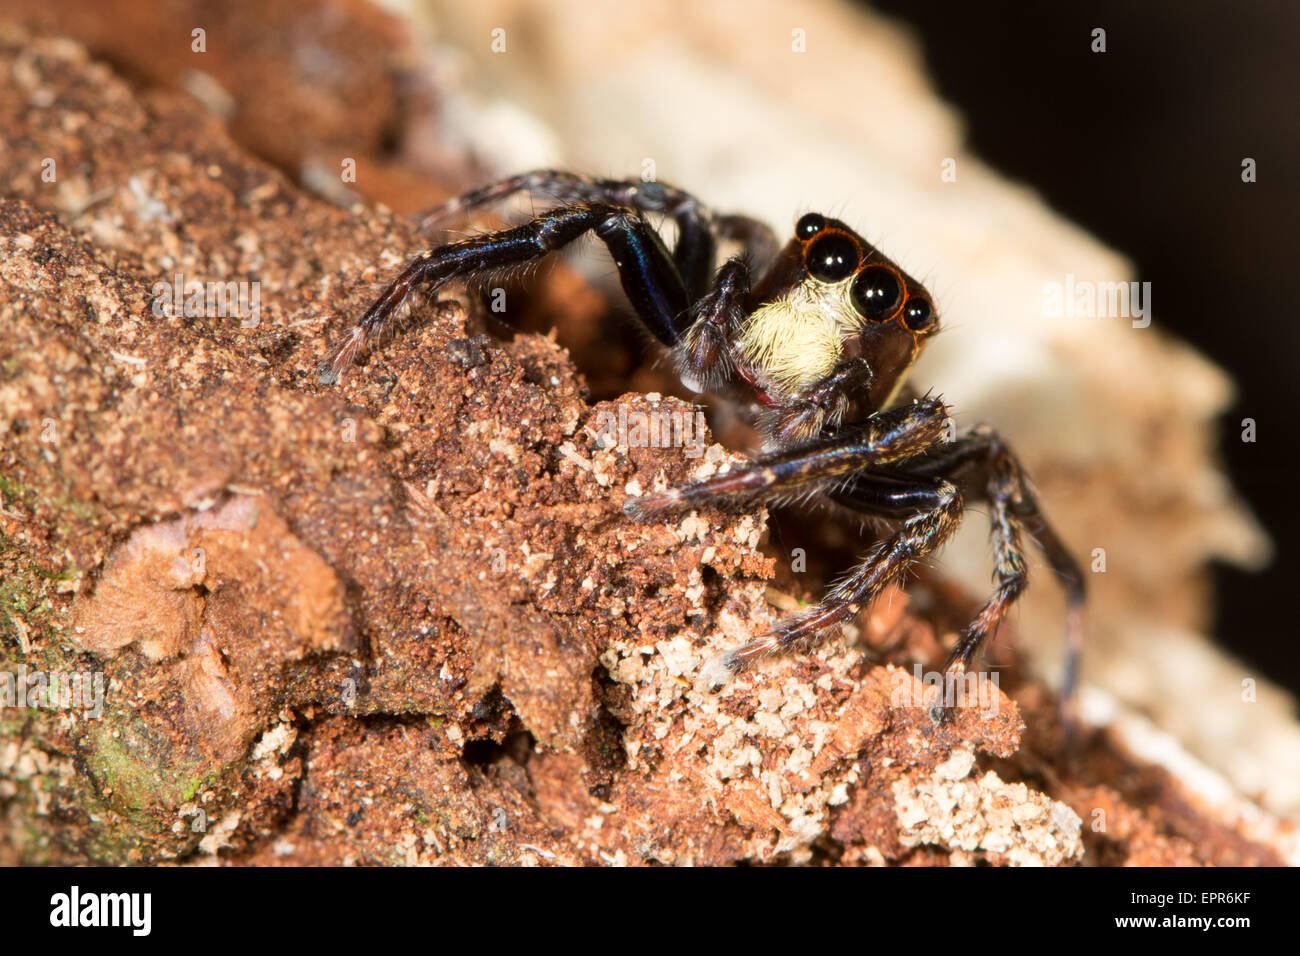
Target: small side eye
pixel 832 257
pixel 809 225
pixel 918 314
pixel 876 293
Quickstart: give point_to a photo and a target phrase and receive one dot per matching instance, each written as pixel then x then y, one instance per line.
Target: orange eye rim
pixel 828 236
pixel 901 293
pixel 932 318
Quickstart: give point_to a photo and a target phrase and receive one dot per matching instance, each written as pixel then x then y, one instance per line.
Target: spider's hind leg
pixel 1009 571
pixel 1015 513
pixel 558 187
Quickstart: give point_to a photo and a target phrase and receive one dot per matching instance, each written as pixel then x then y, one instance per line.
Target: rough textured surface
pixel 1004 824
pixel 402 620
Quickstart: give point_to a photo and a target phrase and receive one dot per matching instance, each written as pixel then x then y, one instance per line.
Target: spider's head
pixel 832 295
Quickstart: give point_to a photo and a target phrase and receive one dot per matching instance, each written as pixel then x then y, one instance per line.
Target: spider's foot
pixel 329 371
pixel 718 670
pixel 654 503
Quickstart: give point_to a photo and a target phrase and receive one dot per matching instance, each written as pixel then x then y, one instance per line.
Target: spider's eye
pixel 832 257
pixel 809 225
pixel 918 314
pixel 876 293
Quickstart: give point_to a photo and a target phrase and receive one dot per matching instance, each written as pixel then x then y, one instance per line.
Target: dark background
pixel 1143 145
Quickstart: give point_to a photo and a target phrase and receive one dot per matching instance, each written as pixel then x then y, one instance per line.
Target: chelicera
pixel 815 339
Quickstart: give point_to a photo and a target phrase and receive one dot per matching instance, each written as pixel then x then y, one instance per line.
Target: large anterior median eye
pixel 876 293
pixel 832 257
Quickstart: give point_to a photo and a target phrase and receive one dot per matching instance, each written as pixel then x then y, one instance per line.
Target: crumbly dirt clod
pixel 985 818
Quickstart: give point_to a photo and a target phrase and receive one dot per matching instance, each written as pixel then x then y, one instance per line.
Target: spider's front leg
pixel 890 436
pixel 649 276
pixel 842 465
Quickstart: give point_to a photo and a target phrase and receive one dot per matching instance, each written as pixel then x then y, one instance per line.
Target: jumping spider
pixel 818 348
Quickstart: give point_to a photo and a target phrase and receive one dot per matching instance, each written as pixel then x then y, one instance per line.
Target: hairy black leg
pixel 645 269
pixel 694 252
pixel 889 496
pixel 698 227
pixel 919 535
pixel 475 199
pixel 891 436
pixel 703 357
pixel 1009 572
pixel 822 405
pixel 1028 514
pixel 648 275
pixel 1070 576
pixel 1015 510
pixel 696 248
